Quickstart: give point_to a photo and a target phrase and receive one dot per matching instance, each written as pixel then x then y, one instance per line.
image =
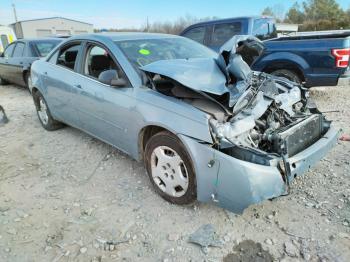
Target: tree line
pixel 311 15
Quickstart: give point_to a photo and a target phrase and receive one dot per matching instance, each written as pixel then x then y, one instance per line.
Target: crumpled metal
pixel 228 73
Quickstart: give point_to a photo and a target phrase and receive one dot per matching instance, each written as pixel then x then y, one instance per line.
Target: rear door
pixel 61 81
pixel 5 68
pixel 16 63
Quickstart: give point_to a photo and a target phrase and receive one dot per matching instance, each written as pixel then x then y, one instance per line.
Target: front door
pixel 102 108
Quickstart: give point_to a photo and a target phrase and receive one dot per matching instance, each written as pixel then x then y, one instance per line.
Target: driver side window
pixel 97 61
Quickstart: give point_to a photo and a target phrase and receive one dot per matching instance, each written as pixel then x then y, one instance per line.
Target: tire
pixel 44 114
pixel 288 74
pixel 3 82
pixel 173 176
pixel 26 80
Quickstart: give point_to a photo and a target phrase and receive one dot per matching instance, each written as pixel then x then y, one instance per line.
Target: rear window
pixel 223 32
pixel 261 28
pixel 43 48
pixel 196 34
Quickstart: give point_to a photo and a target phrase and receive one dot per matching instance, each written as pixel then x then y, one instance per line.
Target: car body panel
pixel 209 76
pixel 234 184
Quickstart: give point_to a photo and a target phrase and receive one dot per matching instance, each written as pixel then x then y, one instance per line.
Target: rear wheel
pixel 287 74
pixel 44 114
pixel 170 169
pixel 27 80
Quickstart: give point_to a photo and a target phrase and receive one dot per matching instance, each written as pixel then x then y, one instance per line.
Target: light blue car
pixel 205 125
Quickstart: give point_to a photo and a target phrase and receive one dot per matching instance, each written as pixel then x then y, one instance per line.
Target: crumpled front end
pixel 236 184
pixel 265 130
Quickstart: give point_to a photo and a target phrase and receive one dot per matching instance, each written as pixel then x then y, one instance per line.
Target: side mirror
pixel 1 54
pixel 120 82
pixel 110 77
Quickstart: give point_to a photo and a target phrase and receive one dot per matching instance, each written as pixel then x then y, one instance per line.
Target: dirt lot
pixel 65 196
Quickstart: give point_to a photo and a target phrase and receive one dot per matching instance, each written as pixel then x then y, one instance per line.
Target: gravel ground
pixel 65 196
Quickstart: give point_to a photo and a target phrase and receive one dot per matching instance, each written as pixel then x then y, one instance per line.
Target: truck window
pixel 197 34
pixel 261 29
pixel 223 32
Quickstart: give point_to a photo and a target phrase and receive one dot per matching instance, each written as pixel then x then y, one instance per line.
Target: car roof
pixel 122 36
pixel 27 40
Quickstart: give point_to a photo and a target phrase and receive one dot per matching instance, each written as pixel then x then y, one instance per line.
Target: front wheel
pixel 44 114
pixel 170 169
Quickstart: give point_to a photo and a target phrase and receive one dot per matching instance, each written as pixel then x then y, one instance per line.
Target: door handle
pixel 45 73
pixel 21 63
pixel 78 86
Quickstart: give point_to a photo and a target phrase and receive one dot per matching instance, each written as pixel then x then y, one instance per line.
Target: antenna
pixel 14 12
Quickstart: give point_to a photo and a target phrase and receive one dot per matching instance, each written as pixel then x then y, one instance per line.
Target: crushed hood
pixel 201 74
pixel 226 74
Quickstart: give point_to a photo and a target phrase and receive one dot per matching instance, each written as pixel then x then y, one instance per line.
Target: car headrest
pixel 100 62
pixel 70 56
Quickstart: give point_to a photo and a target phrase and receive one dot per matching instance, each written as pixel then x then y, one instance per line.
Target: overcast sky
pixel 133 13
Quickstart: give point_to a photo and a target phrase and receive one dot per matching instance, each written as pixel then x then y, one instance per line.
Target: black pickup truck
pixel 315 59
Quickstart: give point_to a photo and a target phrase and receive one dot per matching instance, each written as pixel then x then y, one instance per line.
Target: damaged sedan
pixel 206 126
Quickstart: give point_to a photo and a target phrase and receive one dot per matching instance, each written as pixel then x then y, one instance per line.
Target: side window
pixel 197 34
pixel 4 41
pixel 223 32
pixel 67 57
pixel 19 49
pixel 53 58
pixel 261 29
pixel 98 60
pixel 9 50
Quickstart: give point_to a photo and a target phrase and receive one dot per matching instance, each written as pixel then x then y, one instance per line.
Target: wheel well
pixel 24 74
pixel 34 90
pixel 279 66
pixel 145 134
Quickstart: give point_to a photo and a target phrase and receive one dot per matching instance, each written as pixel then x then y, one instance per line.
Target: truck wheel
pixel 44 114
pixel 288 74
pixel 170 169
pixel 3 82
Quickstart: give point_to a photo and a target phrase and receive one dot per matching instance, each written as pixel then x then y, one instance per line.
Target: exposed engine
pixel 274 117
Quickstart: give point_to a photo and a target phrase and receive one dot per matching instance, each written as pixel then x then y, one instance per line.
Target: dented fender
pixel 234 184
pixel 231 183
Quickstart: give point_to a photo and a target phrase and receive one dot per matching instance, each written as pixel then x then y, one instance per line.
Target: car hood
pixel 228 73
pixel 200 74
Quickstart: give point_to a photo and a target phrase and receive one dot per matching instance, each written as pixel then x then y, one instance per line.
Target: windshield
pixel 44 47
pixel 146 51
